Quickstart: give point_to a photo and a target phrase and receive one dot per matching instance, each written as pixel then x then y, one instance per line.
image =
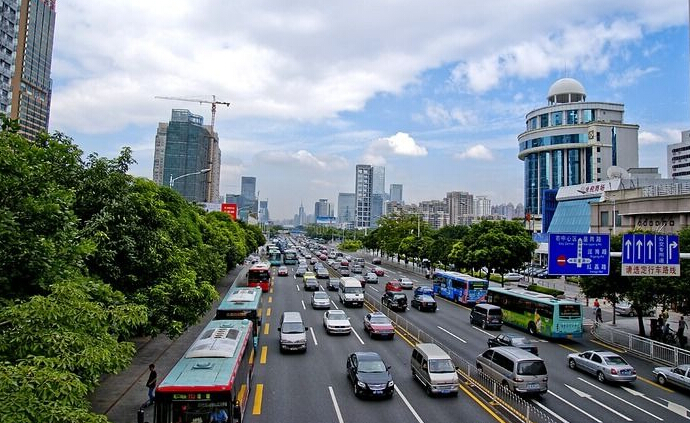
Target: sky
pixel 435 91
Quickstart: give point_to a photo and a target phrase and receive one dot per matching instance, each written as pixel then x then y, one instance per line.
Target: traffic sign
pixel 650 255
pixel 579 254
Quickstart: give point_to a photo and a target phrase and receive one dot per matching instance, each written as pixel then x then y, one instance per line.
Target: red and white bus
pixel 259 275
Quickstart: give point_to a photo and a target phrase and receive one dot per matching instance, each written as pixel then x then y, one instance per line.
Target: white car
pixel 336 321
pixel 406 283
pixel 512 277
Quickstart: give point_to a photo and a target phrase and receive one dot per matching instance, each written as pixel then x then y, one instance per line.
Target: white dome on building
pixel 566 90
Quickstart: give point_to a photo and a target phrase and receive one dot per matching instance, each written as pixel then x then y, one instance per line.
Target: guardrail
pixel 639 345
pixel 515 405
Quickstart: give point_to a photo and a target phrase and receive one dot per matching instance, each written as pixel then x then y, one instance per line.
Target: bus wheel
pixel 532 328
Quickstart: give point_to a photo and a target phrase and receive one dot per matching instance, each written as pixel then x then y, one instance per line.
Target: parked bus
pixel 242 303
pixel 539 314
pixel 460 287
pixel 259 275
pixel 215 372
pixel 290 257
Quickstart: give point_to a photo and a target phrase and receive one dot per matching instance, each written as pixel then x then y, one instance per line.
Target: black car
pixel 513 340
pixel 333 284
pixel 424 302
pixel 311 284
pixel 369 375
pixel 376 260
pixel 394 300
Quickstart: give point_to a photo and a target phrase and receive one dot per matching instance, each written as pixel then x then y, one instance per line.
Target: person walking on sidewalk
pixel 682 324
pixel 597 314
pixel 151 384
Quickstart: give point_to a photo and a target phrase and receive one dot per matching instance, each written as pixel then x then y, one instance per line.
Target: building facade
pixel 460 207
pixel 572 141
pixel 363 192
pixel 248 194
pixel 322 209
pixel 9 28
pixel 396 193
pixel 346 208
pixel 482 206
pixel 185 155
pixel 678 157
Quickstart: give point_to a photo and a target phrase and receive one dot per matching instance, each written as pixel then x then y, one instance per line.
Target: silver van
pixel 487 316
pixel 293 333
pixel 515 369
pixel 434 369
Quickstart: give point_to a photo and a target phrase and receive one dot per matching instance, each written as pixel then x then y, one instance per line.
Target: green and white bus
pixel 539 314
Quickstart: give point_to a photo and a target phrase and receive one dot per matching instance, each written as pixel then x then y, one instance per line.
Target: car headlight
pixel 361 384
pixel 390 383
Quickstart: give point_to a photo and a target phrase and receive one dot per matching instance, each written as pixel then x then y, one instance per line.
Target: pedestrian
pixel 597 314
pixel 596 303
pixel 151 384
pixel 682 324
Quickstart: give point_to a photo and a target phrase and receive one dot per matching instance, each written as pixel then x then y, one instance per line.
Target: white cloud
pixel 303 158
pixel 478 152
pixel 400 144
pixel 663 135
pixel 630 76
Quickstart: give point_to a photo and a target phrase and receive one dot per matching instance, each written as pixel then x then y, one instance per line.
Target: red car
pixel 282 271
pixel 394 286
pixel 378 324
pixel 379 271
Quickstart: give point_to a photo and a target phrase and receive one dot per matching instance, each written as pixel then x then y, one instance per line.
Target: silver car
pixel 406 283
pixel 320 300
pixel 605 365
pixel 336 321
pixel 676 375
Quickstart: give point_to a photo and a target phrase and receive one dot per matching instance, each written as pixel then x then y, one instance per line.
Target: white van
pixel 293 333
pixel 434 369
pixel 516 369
pixel 351 292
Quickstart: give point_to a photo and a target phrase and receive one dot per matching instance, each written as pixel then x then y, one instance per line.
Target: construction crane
pixel 194 100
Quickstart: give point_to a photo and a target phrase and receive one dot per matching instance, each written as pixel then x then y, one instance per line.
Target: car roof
pixel 321 293
pixel 336 311
pixel 378 314
pixel 426 297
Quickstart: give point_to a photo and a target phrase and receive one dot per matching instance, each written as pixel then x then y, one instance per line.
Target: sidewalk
pixel 119 396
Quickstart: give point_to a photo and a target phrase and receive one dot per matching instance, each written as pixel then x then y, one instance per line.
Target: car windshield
pixel 320 296
pixel 337 316
pixel 399 297
pixel 380 320
pixel 292 328
pixel 371 367
pixel 531 368
pixel 615 360
pixel 441 366
pixel 520 341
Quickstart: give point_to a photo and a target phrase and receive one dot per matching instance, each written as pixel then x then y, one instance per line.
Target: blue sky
pixel 436 91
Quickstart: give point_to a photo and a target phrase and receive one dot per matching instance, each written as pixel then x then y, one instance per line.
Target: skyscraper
pixel 346 208
pixel 396 193
pixel 248 194
pixel 482 206
pixel 322 209
pixel 363 191
pixel 378 193
pixel 184 148
pixel 460 206
pixel 31 83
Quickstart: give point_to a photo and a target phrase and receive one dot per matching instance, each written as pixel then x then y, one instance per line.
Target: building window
pixel 557 118
pixel 598 136
pixel 572 117
pixel 544 120
pixel 604 218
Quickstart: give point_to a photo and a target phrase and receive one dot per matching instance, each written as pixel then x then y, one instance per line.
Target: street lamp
pixel 172 180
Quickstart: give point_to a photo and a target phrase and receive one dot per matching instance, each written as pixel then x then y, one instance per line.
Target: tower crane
pixel 194 100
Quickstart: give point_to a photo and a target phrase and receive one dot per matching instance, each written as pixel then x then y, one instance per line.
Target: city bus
pixel 460 287
pixel 275 257
pixel 537 313
pixel 259 275
pixel 290 257
pixel 215 372
pixel 242 303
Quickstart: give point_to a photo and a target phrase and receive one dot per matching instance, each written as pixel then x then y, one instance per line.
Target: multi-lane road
pixel 313 387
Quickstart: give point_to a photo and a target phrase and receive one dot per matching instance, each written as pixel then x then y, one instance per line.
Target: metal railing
pixel 639 345
pixel 521 409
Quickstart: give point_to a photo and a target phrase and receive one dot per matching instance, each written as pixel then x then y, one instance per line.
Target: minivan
pixel 293 333
pixel 434 369
pixel 487 316
pixel 515 369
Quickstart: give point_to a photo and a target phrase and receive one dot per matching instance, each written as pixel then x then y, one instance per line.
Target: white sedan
pixel 512 277
pixel 336 321
pixel 406 283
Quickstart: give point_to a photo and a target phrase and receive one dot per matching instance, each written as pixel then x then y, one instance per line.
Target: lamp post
pixel 172 180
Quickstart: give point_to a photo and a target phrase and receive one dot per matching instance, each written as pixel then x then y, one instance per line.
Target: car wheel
pixel 480 369
pixel 631 314
pixel 601 377
pixel 661 379
pixel 532 328
pixel 483 324
pixel 355 390
pixel 505 385
pixel 572 364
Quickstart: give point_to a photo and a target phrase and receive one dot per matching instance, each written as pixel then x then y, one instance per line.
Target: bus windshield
pixel 258 275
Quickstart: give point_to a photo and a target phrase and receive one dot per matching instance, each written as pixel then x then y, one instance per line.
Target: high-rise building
pixel 363 192
pixel 248 194
pixel 31 58
pixel 482 206
pixel 301 217
pixel 346 208
pixel 322 208
pixel 8 43
pixel 460 206
pixel 678 157
pixel 185 154
pixel 396 193
pixel 263 211
pixel 378 193
pixel 572 141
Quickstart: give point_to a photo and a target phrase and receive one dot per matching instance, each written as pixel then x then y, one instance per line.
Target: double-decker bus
pixel 537 313
pixel 290 257
pixel 259 275
pixel 460 287
pixel 215 372
pixel 242 303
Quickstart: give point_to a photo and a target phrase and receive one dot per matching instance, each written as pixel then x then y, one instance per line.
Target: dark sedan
pixel 424 302
pixel 369 375
pixel 394 300
pixel 333 284
pixel 513 340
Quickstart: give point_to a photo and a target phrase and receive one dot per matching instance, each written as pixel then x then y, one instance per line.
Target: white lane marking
pixel 672 406
pixel 483 331
pixel 583 394
pixel 407 403
pixel 374 288
pixel 357 335
pixel 303 306
pixel 452 334
pixel 313 335
pixel 570 404
pixel 335 405
pixel 297 286
pixel 621 399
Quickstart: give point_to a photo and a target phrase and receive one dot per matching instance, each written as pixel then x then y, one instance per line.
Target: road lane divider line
pixel 568 348
pixel 452 334
pixel 313 335
pixel 585 395
pixel 258 398
pixel 553 413
pixel 483 331
pixel 270 299
pixel 357 335
pixel 251 356
pixel 407 403
pixel 481 403
pixel 620 399
pixel 608 347
pixel 259 312
pixel 266 328
pixel 297 286
pixel 264 352
pixel 335 405
pixel 268 312
pixel 651 382
pixel 303 306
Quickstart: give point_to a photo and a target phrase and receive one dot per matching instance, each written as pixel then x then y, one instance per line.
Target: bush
pixel 544 290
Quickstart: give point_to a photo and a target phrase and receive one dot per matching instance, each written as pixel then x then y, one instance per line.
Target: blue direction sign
pixel 579 254
pixel 650 255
